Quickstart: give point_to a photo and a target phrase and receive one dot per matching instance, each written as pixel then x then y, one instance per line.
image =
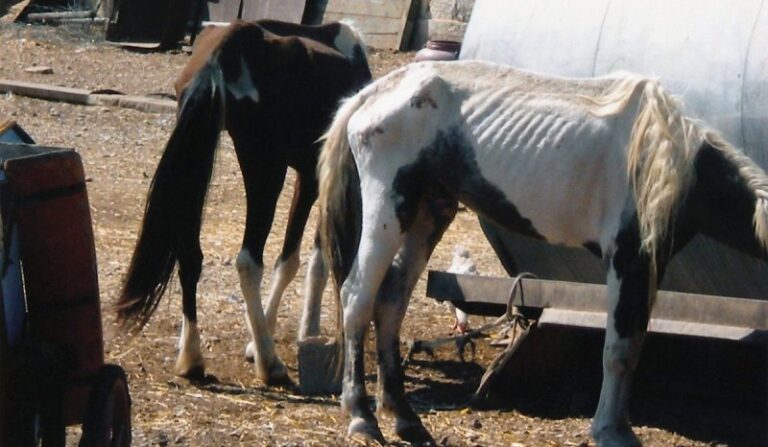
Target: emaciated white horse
pixel 608 162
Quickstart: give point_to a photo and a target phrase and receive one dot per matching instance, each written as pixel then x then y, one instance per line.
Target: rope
pixel 512 319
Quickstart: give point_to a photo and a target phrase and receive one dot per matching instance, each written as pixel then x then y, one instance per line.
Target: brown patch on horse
pixel 367 134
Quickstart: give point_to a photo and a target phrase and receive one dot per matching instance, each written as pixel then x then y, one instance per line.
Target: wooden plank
pixel 284 10
pixel 373 25
pixel 677 306
pixel 223 10
pixel 382 22
pixel 43 91
pixel 84 97
pixel 374 8
pixel 380 40
pixel 141 103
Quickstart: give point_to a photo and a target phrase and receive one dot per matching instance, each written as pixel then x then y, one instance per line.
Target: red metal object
pixel 50 214
pixel 59 259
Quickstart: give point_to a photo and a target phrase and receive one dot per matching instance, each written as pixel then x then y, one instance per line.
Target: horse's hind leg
pixel 631 288
pixel 263 180
pixel 189 362
pixel 304 195
pixel 314 284
pixel 434 216
pixel 380 239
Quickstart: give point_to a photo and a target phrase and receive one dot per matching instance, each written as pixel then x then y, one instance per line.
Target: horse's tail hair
pixel 755 178
pixel 659 162
pixel 176 197
pixel 340 202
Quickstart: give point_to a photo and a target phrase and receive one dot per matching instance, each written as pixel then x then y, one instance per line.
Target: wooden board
pixel 284 10
pixel 582 297
pixel 223 10
pixel 52 92
pixel 384 23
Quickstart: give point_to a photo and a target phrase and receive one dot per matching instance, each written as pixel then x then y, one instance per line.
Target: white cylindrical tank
pixel 711 53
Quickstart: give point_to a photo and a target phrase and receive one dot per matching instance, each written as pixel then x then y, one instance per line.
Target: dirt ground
pixel 120 149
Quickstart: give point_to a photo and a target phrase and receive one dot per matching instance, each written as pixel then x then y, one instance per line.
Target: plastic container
pixel 439 50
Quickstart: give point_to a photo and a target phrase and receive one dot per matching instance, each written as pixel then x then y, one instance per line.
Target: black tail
pixel 176 197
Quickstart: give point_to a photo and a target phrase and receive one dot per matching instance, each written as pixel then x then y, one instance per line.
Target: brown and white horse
pixel 606 162
pixel 274 87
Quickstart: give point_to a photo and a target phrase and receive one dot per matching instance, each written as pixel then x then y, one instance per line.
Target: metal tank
pixel 711 53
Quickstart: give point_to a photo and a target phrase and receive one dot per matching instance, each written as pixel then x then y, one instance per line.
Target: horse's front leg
pixel 391 304
pixel 304 195
pixel 631 289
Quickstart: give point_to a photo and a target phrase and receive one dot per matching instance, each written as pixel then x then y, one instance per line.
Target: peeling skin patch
pixel 419 101
pixel 367 134
pixel 450 162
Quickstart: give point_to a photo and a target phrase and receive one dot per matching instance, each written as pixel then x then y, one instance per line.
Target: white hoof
pixel 250 351
pixel 189 365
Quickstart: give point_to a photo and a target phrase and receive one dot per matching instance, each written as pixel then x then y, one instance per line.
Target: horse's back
pixel 333 41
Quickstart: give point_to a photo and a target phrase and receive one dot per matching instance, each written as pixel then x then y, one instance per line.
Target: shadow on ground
pixel 710 391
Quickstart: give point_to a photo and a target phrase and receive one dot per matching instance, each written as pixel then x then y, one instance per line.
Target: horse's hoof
pixel 366 431
pixel 414 433
pixel 190 366
pixel 273 374
pixel 196 372
pixel 281 382
pixel 250 352
pixel 616 437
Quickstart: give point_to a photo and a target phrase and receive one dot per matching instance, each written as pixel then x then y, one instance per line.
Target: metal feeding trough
pixel 52 367
pixel 708 330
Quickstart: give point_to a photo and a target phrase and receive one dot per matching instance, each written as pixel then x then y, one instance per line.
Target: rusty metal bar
pixel 582 297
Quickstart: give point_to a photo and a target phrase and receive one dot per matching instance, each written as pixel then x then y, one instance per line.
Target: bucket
pixel 439 50
pixel 319 371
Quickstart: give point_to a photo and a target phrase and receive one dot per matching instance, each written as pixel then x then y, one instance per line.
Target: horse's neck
pixel 720 204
